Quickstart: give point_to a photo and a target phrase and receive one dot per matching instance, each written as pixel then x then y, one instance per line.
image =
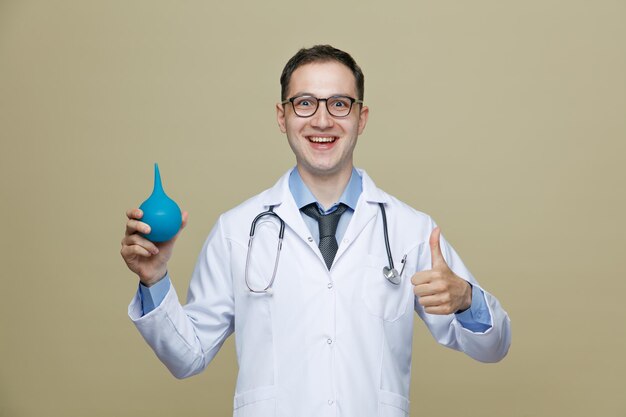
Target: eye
pixel 304 102
pixel 340 102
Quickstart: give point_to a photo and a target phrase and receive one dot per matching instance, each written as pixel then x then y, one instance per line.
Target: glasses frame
pixel 317 105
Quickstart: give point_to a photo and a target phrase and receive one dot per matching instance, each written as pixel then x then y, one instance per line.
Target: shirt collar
pixel 303 196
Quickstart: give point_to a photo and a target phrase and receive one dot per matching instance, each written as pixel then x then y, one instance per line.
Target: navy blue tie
pixel 327 224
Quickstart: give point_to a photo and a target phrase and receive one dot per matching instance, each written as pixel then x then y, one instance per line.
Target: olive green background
pixel 503 120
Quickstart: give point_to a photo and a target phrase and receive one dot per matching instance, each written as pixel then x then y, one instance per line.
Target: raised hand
pixel 439 290
pixel 146 259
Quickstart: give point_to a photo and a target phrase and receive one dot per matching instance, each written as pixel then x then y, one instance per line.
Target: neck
pixel 328 188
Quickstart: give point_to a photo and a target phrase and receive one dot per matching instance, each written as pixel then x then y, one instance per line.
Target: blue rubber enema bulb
pixel 160 212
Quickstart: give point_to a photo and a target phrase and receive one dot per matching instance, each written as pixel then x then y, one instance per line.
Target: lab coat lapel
pixel 281 198
pixel 366 210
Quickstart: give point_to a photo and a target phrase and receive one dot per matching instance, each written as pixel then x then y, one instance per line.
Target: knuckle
pixel 126 253
pixel 133 213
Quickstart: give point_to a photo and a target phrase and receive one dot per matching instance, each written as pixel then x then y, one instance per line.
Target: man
pixel 324 323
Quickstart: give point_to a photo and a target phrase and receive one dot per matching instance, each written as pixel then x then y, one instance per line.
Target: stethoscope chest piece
pixel 391 275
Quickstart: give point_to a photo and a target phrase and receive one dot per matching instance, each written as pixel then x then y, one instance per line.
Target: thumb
pixel 185 218
pixel 437 260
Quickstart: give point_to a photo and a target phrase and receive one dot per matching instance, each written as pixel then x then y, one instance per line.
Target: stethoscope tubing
pixel 389 272
pixel 386 233
pixel 281 235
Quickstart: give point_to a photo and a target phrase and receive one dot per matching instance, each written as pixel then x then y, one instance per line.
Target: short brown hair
pixel 321 53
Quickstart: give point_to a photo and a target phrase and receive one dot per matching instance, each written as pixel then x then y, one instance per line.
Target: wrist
pixel 467 299
pixel 149 281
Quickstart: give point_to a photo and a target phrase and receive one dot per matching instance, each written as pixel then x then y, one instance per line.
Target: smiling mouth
pixel 320 139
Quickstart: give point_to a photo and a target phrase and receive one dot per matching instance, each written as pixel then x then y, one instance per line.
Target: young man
pixel 323 320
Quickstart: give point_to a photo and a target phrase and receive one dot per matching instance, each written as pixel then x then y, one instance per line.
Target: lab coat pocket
pixel 382 298
pixel 392 405
pixel 259 402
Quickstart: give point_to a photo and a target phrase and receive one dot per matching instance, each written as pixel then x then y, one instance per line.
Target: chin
pixel 324 170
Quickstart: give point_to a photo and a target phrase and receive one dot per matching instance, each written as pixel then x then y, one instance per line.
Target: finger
pixel 436 304
pixel 185 219
pixel 435 286
pixel 135 226
pixel 421 277
pixel 437 260
pixel 428 276
pixel 136 239
pixel 134 250
pixel 431 301
pixel 134 213
pixel 425 290
pixel 440 310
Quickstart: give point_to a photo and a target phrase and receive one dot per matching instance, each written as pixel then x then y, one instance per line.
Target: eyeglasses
pixel 337 106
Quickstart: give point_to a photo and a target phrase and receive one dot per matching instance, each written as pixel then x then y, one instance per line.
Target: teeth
pixel 321 140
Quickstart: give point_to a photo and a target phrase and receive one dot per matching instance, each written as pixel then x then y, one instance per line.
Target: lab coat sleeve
pixel 187 338
pixel 489 346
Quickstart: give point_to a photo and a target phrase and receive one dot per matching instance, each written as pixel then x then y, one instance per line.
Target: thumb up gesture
pixel 439 290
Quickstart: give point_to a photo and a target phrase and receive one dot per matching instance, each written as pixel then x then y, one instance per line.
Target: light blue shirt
pixel 303 197
pixel 476 318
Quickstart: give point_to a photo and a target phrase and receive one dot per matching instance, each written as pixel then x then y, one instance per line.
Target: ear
pixel 363 115
pixel 280 117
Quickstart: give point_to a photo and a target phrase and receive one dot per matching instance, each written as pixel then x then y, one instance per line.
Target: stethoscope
pixel 389 272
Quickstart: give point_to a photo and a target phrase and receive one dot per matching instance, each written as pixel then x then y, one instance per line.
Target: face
pixel 323 144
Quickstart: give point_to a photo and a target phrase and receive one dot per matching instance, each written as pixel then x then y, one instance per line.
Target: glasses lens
pixel 305 105
pixel 339 106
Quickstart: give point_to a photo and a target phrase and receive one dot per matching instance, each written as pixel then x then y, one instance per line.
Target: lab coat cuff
pixel 135 308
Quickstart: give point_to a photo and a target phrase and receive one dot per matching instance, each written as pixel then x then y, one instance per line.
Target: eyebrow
pixel 306 93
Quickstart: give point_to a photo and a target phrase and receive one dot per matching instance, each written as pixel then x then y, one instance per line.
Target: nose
pixel 322 119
